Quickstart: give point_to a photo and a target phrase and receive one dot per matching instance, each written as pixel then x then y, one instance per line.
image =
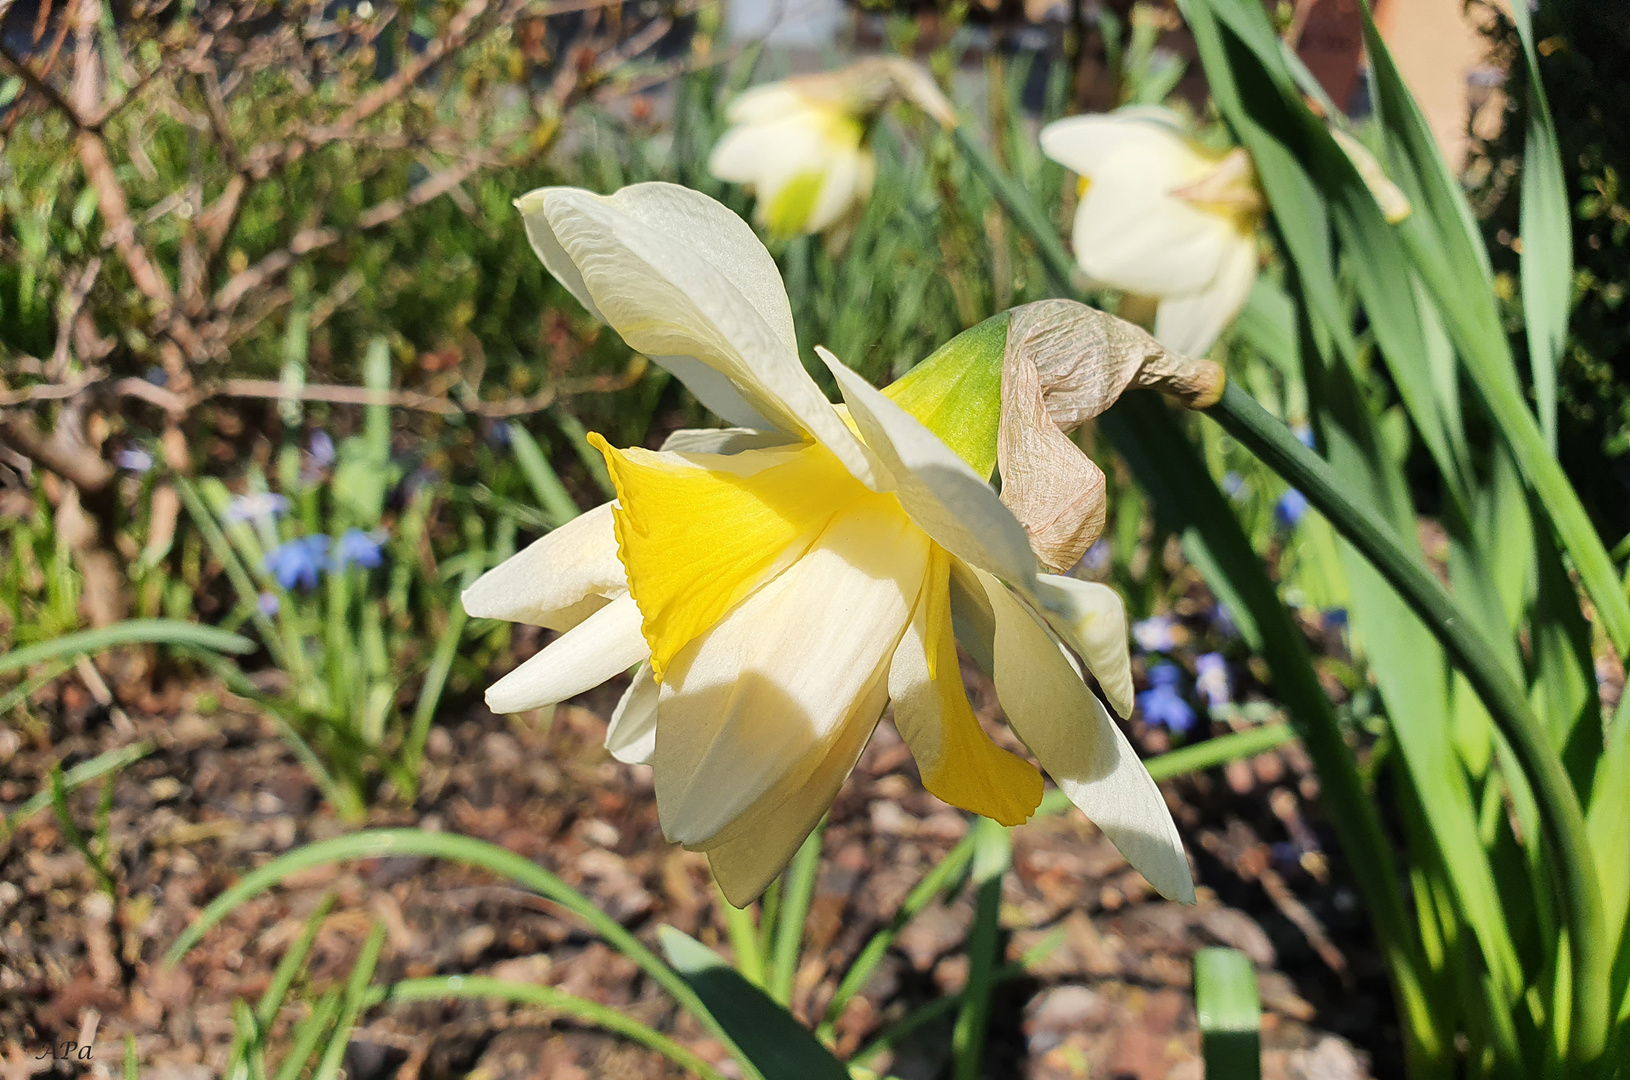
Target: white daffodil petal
pixel 738 156
pixel 557 581
pixel 1191 324
pixel 722 440
pixel 606 643
pixel 1083 143
pixel 945 497
pixel 1091 619
pixel 1073 737
pixel 746 863
pixel 631 737
pixel 767 102
pixel 677 274
pixel 1132 234
pixel 761 695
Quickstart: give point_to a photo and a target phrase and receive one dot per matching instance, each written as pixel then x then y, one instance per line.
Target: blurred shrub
pixel 1581 54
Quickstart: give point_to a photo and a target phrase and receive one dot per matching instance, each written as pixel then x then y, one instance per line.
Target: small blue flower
pixel 1211 679
pixel 269 604
pixel 358 547
pixel 1222 622
pixel 1155 634
pixel 321 449
pixel 1234 485
pixel 1162 704
pixel 1336 618
pixel 261 506
pixel 133 459
pixel 157 376
pixel 298 562
pixel 1292 505
pixel 1304 435
pixel 1096 558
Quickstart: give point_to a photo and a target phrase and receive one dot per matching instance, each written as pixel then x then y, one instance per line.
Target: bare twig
pixel 68 313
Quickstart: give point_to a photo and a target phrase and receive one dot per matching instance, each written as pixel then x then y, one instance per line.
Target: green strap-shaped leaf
pixel 1547 236
pixel 1230 1013
pixel 781 1047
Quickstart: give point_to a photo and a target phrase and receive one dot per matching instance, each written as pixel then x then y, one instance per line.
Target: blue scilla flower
pixel 321 449
pixel 1162 704
pixel 261 506
pixel 1211 679
pixel 298 562
pixel 1304 435
pixel 1096 558
pixel 1155 634
pixel 269 604
pixel 360 548
pixel 1292 505
pixel 133 459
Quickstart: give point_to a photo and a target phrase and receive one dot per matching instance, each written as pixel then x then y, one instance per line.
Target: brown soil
pixel 221 794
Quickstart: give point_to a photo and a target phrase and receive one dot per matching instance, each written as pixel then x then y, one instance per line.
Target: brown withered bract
pixel 1065 363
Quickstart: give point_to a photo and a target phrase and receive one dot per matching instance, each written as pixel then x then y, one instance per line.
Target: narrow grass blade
pixel 548 997
pixel 789 927
pixel 376 843
pixel 308 1037
pixel 574 430
pixel 352 1004
pixel 743 932
pixel 289 967
pixel 777 1044
pixel 992 855
pixel 937 880
pixel 551 494
pixel 86 771
pixel 1225 997
pixel 129 632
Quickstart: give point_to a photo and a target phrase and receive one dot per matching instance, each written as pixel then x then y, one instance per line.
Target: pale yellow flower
pixel 802 144
pixel 778 584
pixel 1163 217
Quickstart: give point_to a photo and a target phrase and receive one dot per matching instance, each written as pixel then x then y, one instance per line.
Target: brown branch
pixel 68 313
pixel 41 87
pixel 78 464
pixel 309 240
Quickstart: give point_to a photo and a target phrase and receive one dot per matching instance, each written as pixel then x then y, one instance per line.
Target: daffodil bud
pixel 1393 202
pixel 1006 393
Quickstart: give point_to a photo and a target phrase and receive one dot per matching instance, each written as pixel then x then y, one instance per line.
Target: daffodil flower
pixel 802 144
pixel 1163 217
pixel 779 583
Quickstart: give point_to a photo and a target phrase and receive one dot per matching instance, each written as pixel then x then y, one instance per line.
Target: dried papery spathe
pixel 1064 364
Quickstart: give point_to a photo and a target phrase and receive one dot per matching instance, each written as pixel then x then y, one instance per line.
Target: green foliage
pixel 1576 51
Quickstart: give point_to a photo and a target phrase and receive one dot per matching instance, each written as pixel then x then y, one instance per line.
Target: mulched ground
pixel 221 795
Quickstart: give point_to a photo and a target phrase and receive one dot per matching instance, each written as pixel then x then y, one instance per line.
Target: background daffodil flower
pixel 780 583
pixel 802 144
pixel 1163 217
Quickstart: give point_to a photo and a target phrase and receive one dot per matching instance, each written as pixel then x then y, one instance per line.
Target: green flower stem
pixel 1270 440
pixel 1164 461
